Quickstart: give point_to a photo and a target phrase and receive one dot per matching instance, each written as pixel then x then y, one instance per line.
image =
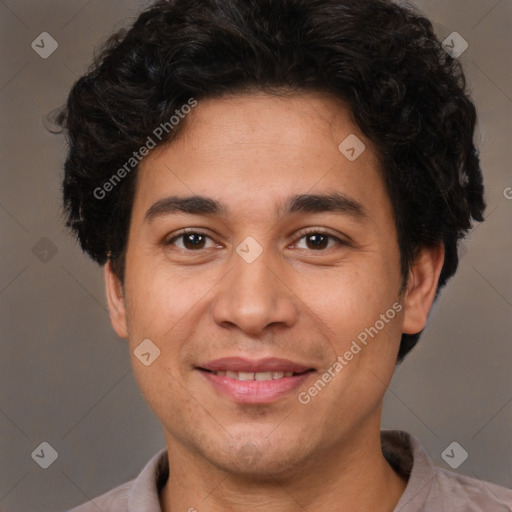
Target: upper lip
pixel 240 364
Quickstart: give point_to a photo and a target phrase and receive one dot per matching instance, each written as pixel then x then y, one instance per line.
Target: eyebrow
pixel 303 203
pixel 196 205
pixel 319 203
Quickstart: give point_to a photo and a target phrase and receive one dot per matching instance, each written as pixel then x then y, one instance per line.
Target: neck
pixel 351 477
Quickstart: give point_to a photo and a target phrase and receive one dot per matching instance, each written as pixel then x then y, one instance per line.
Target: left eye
pixel 319 241
pixel 191 241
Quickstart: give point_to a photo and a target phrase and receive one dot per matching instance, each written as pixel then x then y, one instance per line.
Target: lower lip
pixel 255 391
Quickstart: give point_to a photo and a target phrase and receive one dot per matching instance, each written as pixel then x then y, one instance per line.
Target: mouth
pixel 254 382
pixel 259 376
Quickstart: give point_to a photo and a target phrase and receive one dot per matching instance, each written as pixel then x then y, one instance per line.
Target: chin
pixel 259 461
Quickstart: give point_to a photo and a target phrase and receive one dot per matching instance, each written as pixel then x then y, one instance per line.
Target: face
pixel 260 291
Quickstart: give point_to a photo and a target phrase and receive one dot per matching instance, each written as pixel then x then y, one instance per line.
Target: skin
pixel 252 152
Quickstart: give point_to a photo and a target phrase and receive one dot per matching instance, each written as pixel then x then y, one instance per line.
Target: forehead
pixel 270 122
pixel 257 149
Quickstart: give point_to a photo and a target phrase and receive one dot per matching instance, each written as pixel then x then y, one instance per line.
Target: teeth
pixel 260 376
pixel 263 376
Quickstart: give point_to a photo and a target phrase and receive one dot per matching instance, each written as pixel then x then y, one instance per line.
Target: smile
pixel 254 382
pixel 259 376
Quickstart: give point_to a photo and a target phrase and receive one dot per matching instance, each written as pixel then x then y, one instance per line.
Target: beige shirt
pixel 429 488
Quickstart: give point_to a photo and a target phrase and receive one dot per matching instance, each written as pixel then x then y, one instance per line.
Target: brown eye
pixel 191 241
pixel 317 241
pixel 194 241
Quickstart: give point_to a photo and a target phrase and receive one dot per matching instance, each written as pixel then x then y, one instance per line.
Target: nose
pixel 254 297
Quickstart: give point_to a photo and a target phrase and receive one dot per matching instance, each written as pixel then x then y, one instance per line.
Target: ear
pixel 421 288
pixel 116 302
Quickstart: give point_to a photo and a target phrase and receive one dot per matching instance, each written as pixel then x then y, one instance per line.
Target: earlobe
pixel 116 301
pixel 421 288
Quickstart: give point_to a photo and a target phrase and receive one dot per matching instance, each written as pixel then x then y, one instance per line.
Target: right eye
pixel 191 241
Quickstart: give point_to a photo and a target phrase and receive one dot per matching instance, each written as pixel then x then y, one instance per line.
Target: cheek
pixel 352 296
pixel 364 332
pixel 157 311
pixel 165 307
pixel 360 307
pixel 158 301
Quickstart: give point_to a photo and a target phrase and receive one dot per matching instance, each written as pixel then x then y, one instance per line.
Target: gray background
pixel 66 379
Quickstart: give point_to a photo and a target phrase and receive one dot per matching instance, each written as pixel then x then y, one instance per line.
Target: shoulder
pixel 139 494
pixel 469 494
pixel 115 500
pixel 432 489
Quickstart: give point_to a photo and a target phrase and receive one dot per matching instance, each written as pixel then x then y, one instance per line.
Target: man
pixel 276 189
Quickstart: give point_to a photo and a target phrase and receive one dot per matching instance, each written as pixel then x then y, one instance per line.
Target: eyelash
pixel 330 236
pixel 301 235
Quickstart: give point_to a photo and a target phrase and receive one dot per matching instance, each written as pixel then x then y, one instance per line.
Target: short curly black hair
pixel 405 93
